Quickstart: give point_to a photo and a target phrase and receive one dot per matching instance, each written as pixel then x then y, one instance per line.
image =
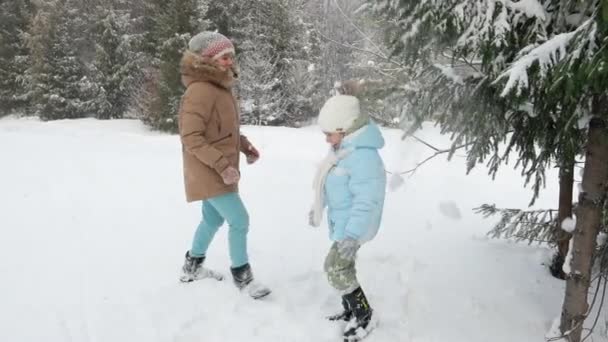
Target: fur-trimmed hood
pixel 195 68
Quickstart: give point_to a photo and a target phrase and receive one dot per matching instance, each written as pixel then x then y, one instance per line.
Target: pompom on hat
pixel 210 44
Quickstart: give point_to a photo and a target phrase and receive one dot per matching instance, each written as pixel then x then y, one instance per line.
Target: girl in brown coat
pixel 209 128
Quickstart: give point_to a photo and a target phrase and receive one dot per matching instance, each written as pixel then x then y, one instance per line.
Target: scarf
pixel 318 185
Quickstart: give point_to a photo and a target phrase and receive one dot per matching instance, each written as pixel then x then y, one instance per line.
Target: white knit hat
pixel 342 113
pixel 210 44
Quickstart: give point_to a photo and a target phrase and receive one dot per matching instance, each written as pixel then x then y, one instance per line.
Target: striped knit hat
pixel 210 44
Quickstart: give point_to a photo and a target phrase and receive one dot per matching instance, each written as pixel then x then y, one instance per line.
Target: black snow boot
pixel 193 270
pixel 242 276
pixel 345 315
pixel 359 326
pixel 243 279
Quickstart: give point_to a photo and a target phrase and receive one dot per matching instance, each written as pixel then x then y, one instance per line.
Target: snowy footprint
pixel 386 280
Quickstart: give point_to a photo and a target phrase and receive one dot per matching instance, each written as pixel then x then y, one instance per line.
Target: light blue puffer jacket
pixel 355 188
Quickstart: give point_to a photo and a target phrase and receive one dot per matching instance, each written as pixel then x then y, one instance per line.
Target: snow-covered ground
pixel 94 225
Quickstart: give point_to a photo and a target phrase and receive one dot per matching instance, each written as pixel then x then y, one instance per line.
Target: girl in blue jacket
pixel 350 183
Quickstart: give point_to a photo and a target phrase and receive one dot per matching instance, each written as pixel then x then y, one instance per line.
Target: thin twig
pixel 532 240
pixel 438 152
pixel 464 60
pixel 412 171
pixel 526 211
pixel 361 50
pixel 425 143
pixel 350 21
pixel 544 223
pixel 381 72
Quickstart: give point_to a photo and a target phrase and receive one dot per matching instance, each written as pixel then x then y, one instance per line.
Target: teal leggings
pixel 216 210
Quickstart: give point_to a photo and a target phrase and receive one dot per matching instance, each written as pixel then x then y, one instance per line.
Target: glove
pixel 230 175
pixel 252 154
pixel 348 248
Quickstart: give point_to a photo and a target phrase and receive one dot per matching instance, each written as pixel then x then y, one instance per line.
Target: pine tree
pixel 276 53
pixel 173 23
pixel 57 77
pixel 226 17
pixel 117 64
pixel 354 52
pixel 264 60
pixel 536 70
pixel 333 25
pixel 14 20
pixel 304 81
pixel 465 51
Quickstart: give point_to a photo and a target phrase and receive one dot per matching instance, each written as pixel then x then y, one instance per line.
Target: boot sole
pixel 363 333
pixel 338 318
pixel 261 295
pixel 187 279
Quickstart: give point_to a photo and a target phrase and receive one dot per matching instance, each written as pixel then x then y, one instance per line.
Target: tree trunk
pixel 589 212
pixel 566 183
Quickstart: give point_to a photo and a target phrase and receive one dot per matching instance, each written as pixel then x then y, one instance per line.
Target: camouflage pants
pixel 341 272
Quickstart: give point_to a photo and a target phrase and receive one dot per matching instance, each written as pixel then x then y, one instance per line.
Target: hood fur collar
pixel 195 68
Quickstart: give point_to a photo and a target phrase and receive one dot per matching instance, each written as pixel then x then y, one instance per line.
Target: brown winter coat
pixel 209 128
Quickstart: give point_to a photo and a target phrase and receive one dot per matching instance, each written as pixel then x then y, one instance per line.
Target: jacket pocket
pixel 221 139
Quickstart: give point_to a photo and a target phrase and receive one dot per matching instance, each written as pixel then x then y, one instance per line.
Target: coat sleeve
pixel 195 111
pixel 366 184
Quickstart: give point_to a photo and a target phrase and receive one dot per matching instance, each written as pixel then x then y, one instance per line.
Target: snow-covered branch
pixel 546 55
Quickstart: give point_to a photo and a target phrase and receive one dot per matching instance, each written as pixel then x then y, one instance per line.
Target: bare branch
pixel 412 171
pixel 379 50
pixel 361 50
pixel 380 71
pixel 533 240
pixel 425 143
pixel 437 152
pixel 463 60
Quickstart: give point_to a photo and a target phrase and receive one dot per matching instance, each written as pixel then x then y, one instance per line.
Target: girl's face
pixel 225 61
pixel 334 138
